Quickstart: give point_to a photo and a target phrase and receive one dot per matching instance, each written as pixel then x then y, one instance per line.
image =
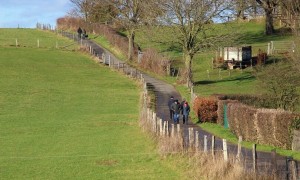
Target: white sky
pixel 26 13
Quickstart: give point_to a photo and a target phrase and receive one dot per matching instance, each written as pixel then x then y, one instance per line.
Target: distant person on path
pixel 176 109
pixel 181 109
pixel 185 112
pixel 79 31
pixel 170 102
pixel 84 35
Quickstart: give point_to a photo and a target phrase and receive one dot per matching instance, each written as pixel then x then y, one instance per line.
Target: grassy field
pixel 33 38
pixel 64 117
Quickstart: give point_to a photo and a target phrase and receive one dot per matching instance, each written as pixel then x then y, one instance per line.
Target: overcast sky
pixel 26 13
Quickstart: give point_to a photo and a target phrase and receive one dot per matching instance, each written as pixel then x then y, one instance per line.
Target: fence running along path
pixel 192 135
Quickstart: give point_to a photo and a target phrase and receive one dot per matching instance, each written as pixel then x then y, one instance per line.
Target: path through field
pixel 264 161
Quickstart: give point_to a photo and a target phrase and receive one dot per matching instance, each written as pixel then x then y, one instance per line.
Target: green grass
pixel 32 38
pixel 64 117
pixel 107 45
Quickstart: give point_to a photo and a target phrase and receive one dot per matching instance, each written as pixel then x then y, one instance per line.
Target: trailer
pixel 236 56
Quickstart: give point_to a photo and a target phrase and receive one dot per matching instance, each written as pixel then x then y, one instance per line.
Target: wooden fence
pixel 281 47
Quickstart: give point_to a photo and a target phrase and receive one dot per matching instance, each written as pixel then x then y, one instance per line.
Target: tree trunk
pixel 130 45
pixel 188 65
pixel 269 22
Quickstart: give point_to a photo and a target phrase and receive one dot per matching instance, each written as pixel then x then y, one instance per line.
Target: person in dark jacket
pixel 176 109
pixel 170 102
pixel 79 31
pixel 185 112
pixel 181 109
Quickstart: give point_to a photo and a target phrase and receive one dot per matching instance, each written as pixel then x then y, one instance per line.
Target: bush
pixel 264 126
pixel 154 62
pixel 206 109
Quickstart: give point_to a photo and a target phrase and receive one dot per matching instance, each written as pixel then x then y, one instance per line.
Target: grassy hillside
pixel 215 81
pixel 62 116
pixel 32 38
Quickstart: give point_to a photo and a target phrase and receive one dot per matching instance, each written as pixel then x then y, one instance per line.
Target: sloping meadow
pixel 62 116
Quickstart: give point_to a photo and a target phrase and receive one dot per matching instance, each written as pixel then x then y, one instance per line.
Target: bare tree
pixel 269 6
pixel 189 23
pixel 243 8
pixel 103 12
pixel 129 16
pixel 82 8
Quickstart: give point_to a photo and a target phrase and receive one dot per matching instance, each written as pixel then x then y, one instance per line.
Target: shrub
pixel 206 109
pixel 264 126
pixel 154 62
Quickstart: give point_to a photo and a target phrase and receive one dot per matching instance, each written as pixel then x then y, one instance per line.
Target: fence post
pixel 154 124
pixel 164 128
pixel 289 174
pixel 213 146
pixel 238 156
pixel 154 120
pixel 272 47
pixel 225 153
pixel 254 157
pixel 197 141
pixel 178 130
pixel 167 128
pixel 191 137
pixel 161 127
pixel 172 130
pixel 294 170
pixel 17 43
pixel 205 143
pixel 268 50
pixel 38 43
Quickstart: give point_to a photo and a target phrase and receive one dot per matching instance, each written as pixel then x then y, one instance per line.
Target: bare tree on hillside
pixel 129 14
pixel 269 6
pixel 243 8
pixel 82 8
pixel 189 25
pixel 103 12
pixel 291 14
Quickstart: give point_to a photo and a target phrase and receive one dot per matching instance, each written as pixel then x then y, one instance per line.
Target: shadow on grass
pixel 206 82
pixel 260 37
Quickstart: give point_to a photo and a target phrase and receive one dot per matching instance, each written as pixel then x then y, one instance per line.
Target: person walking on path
pixel 181 109
pixel 170 102
pixel 185 112
pixel 84 35
pixel 79 31
pixel 176 109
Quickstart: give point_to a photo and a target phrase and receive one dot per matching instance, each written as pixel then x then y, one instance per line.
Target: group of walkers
pixel 81 33
pixel 176 109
